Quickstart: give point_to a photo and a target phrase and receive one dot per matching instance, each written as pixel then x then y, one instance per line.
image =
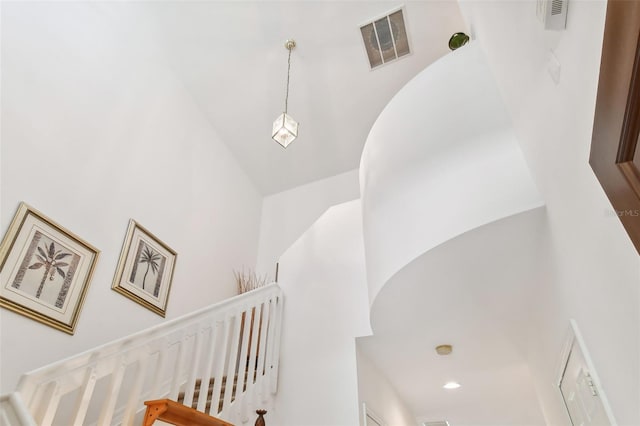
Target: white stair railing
pixel 231 347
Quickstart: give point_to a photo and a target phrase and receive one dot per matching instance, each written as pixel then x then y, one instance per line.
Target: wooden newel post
pixel 260 419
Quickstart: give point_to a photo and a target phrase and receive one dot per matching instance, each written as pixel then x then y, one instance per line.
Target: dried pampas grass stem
pixel 248 280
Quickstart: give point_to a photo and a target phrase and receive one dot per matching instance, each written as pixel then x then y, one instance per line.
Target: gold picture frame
pixel 144 256
pixel 45 270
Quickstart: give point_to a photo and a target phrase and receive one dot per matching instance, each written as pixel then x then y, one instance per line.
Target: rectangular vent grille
pixel 440 423
pixel 385 39
pixel 552 13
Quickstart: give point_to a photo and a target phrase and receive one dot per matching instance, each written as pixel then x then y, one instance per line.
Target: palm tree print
pixel 49 258
pixel 151 258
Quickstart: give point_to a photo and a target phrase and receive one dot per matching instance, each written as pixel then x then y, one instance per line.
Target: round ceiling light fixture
pixel 451 385
pixel 444 349
pixel 458 40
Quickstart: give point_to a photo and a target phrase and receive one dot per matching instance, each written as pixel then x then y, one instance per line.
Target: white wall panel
pixel 97 129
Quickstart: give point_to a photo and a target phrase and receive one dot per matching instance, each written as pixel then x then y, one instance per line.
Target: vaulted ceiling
pixel 231 58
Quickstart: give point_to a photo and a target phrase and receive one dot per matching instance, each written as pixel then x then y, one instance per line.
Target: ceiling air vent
pixel 553 13
pixel 385 39
pixel 440 423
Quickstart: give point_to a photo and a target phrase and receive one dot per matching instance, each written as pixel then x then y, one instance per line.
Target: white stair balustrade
pixel 13 411
pixel 222 359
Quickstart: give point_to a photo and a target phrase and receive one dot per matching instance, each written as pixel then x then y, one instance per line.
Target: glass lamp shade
pixel 285 129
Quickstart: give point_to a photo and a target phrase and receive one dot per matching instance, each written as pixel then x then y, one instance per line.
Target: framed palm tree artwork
pixel 45 270
pixel 145 269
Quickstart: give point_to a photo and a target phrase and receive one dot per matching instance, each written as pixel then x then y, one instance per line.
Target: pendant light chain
pixel 286 96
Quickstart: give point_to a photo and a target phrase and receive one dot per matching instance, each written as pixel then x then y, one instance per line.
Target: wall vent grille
pixel 385 39
pixel 552 13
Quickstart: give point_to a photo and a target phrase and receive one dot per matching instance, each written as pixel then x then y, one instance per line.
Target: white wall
pixel 96 129
pixel 288 214
pixel 441 152
pixel 595 274
pixel 378 393
pixel 323 279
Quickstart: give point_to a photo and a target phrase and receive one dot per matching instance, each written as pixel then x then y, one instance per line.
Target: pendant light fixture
pixel 285 128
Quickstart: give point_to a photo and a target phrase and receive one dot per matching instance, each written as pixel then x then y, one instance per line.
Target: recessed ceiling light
pixel 451 385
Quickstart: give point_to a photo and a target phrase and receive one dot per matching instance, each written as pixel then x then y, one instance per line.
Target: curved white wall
pixel 474 292
pixel 323 278
pixel 444 146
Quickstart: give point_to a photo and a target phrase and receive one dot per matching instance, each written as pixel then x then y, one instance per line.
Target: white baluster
pixel 276 346
pixel 84 398
pixel 108 407
pixel 34 396
pixel 253 354
pixel 233 360
pixel 161 367
pixel 52 406
pixel 31 392
pixel 242 371
pixel 208 366
pixel 193 368
pixel 219 371
pixel 180 362
pixel 135 396
pixel 273 312
pixel 263 344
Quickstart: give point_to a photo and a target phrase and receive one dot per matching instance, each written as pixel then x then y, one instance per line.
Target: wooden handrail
pixel 177 414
